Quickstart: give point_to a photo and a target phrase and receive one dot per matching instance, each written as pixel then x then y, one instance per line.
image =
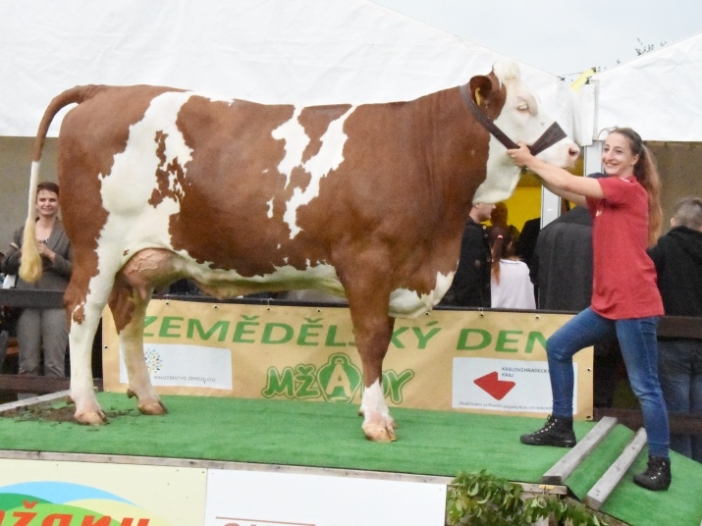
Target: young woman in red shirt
pixel 625 299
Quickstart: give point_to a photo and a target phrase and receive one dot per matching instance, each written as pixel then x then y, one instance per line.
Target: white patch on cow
pixel 132 222
pixel 296 140
pixel 270 209
pixel 328 158
pixel 405 303
pixel 214 97
pixel 321 276
pixel 373 401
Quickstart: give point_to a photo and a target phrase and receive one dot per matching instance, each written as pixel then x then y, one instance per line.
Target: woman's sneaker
pixel 558 431
pixel 657 476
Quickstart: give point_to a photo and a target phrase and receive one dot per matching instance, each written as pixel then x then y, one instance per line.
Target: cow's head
pixel 521 120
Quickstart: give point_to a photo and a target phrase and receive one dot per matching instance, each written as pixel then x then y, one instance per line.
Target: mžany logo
pixel 67 504
pixel 338 380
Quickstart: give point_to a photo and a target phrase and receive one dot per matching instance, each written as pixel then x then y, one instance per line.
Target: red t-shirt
pixel 624 277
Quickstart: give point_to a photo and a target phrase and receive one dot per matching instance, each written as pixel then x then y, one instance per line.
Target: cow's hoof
pixel 380 431
pixel 153 407
pixel 91 418
pixel 385 434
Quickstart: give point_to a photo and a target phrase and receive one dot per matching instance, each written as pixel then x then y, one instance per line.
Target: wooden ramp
pixel 608 482
pixel 605 486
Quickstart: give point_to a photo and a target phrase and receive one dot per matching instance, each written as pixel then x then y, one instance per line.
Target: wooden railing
pixel 14 383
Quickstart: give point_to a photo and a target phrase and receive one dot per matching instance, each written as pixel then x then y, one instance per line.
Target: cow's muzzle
pixel 551 136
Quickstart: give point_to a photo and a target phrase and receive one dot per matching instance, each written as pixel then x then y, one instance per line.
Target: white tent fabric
pixel 271 51
pixel 657 94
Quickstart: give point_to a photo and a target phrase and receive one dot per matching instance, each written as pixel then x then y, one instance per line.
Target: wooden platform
pixel 324 437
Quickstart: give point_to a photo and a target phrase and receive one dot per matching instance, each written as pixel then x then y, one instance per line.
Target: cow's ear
pixel 480 88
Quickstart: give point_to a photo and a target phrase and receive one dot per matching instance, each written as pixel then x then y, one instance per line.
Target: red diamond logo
pixel 492 385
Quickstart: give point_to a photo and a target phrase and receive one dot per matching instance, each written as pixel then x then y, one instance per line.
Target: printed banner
pixel 479 361
pixel 59 493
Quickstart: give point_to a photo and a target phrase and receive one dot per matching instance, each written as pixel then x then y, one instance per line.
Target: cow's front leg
pixel 373 329
pixel 129 308
pixel 378 425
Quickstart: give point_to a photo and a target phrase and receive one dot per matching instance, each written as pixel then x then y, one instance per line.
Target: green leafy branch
pixel 482 499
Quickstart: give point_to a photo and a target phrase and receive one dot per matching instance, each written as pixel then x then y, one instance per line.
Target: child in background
pixel 510 285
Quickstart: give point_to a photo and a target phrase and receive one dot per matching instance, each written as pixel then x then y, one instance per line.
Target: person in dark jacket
pixel 678 260
pixel 562 262
pixel 528 238
pixel 471 284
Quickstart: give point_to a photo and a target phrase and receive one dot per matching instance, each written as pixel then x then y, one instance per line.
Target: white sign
pixel 185 365
pixel 503 385
pixel 258 498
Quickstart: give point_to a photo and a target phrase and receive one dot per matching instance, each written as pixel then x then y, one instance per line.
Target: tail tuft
pixel 31 266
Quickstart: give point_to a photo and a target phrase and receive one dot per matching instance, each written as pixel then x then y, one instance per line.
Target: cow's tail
pixel 31 266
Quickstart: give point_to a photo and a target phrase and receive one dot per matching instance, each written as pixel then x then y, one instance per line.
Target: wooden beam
pixel 606 484
pixel 571 460
pixel 38 299
pixel 680 327
pixel 681 424
pixel 25 383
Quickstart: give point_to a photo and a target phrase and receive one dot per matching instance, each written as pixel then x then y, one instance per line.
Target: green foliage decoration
pixel 482 499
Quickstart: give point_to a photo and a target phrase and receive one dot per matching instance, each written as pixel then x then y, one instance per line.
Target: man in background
pixel 678 260
pixel 471 284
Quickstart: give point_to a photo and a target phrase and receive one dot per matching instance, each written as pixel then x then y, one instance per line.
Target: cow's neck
pixel 457 153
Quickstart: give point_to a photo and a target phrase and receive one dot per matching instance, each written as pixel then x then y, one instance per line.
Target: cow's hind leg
pixel 84 311
pixel 128 307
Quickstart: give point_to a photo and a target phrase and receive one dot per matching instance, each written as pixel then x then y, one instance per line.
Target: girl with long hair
pixel 625 302
pixel 510 285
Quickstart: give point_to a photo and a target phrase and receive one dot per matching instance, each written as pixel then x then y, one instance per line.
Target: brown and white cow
pixel 365 201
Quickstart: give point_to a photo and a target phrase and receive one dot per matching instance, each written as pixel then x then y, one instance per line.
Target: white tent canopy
pixel 272 51
pixel 657 94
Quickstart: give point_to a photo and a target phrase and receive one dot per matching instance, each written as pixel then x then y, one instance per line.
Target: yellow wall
pixel 524 204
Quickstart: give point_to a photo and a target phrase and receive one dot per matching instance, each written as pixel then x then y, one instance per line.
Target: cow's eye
pixel 523 107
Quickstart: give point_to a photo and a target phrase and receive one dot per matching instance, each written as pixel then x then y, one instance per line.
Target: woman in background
pixel 43 328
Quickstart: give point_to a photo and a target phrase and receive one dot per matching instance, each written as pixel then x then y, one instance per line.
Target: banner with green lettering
pixel 481 361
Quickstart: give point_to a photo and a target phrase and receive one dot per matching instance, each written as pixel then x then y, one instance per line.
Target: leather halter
pixel 551 136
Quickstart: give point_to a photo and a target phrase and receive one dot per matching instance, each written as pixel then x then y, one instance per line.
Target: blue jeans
pixel 637 339
pixel 680 367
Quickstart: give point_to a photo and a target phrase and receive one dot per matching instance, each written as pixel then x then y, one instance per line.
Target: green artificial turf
pixel 329 435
